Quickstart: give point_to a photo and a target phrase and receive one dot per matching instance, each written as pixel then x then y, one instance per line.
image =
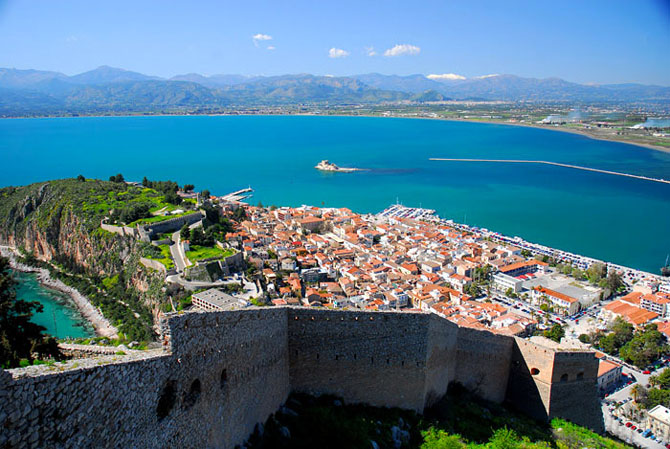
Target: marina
pixel 630 275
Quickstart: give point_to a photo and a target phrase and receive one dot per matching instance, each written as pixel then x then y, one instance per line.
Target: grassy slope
pixel 202 252
pixel 165 257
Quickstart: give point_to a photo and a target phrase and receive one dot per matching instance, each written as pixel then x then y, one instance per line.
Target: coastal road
pixel 178 253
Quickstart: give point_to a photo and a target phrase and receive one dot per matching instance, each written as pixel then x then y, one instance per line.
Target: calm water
pixel 60 316
pixel 608 217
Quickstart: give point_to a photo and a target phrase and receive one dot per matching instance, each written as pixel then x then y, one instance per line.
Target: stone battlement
pixel 221 373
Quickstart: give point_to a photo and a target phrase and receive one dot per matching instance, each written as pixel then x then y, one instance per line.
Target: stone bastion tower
pixel 220 373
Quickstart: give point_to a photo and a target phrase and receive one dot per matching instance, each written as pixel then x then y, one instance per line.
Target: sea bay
pixel 59 316
pixel 617 219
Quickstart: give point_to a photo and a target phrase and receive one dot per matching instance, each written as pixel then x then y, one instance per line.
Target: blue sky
pixel 583 41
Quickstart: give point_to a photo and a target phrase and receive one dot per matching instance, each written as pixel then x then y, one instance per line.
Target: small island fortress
pixel 326 165
pixel 219 374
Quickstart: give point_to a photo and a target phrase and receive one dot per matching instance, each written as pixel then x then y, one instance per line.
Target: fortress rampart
pixel 221 373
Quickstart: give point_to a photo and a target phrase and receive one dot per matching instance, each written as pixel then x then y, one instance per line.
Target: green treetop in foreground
pixel 20 339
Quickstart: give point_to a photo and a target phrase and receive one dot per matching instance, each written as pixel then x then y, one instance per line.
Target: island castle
pixel 221 373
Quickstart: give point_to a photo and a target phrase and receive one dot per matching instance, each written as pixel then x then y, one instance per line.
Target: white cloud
pixel 271 47
pixel 402 49
pixel 445 77
pixel 370 51
pixel 337 53
pixel 260 37
pixel 487 76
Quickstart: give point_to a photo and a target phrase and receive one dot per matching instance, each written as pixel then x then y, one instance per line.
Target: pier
pixel 558 164
pixel 238 195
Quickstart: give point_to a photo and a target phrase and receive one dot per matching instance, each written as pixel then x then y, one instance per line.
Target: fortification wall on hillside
pixel 373 357
pixel 440 358
pixel 483 362
pixel 546 383
pixel 574 391
pixel 172 224
pixel 221 373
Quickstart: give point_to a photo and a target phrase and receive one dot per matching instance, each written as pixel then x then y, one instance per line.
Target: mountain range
pixel 105 89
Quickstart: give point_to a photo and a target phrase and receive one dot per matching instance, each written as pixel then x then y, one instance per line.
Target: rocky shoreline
pixel 101 325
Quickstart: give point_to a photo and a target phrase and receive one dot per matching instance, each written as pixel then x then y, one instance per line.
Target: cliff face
pixel 41 219
pixel 58 221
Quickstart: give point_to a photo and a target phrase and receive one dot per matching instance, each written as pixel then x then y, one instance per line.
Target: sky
pixel 594 41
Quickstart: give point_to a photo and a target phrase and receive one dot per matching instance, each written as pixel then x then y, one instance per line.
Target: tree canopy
pixel 20 338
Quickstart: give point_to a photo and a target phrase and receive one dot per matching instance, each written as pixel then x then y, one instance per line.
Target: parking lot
pixel 620 413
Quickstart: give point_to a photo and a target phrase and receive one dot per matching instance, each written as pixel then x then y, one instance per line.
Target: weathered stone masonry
pixel 220 373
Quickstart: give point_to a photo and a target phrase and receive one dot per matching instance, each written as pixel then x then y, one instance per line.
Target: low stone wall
pixel 153 264
pixel 120 230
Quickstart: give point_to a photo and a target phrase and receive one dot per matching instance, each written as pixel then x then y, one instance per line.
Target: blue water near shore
pixel 60 316
pixel 613 218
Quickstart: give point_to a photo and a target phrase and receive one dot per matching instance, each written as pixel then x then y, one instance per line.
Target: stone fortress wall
pixel 221 373
pixel 148 231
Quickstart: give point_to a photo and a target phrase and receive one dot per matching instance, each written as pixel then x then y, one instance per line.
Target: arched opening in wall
pixel 580 376
pixel 166 400
pixel 193 394
pixel 564 377
pixel 534 371
pixel 223 381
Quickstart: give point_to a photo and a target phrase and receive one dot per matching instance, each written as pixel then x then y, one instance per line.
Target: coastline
pixel 101 325
pixel 565 130
pixel 307 114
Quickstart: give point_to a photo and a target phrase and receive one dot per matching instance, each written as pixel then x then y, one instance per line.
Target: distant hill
pixel 410 83
pixel 28 92
pixel 105 74
pixel 215 80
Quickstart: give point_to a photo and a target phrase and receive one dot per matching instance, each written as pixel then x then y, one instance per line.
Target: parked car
pixel 646 372
pixel 628 424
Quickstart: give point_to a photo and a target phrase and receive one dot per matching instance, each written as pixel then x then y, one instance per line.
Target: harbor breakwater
pixel 557 164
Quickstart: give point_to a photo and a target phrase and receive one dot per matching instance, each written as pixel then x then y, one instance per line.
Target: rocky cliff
pixel 57 222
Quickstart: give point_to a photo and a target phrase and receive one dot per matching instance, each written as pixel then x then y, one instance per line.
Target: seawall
pixel 221 373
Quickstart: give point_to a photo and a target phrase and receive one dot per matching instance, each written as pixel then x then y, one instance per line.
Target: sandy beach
pixel 101 325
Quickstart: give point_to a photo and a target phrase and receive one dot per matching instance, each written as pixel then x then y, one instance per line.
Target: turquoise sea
pixel 60 316
pixel 613 218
